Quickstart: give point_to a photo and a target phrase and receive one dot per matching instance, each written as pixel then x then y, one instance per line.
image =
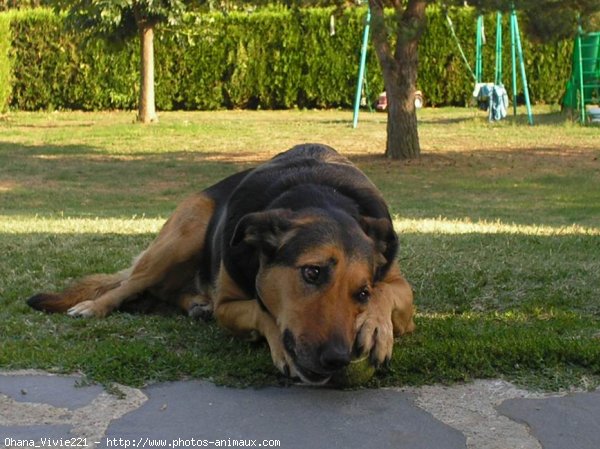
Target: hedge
pixel 268 59
pixel 5 63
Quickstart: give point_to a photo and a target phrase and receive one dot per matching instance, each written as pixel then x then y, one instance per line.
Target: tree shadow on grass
pixel 76 179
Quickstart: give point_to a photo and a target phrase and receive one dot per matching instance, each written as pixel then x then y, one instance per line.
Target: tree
pixel 399 65
pixel 117 20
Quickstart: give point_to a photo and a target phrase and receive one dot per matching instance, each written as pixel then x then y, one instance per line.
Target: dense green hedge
pixel 271 59
pixel 5 63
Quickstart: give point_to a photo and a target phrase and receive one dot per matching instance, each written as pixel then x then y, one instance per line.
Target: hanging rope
pixel 462 53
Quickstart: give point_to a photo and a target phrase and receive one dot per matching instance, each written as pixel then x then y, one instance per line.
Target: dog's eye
pixel 363 295
pixel 311 274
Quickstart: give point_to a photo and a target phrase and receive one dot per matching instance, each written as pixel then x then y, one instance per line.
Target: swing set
pixel 493 96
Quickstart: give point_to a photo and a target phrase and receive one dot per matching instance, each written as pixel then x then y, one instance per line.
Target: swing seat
pixel 481 94
pixel 492 97
pixel 594 114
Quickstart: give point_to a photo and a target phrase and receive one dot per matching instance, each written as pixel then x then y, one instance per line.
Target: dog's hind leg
pixel 179 244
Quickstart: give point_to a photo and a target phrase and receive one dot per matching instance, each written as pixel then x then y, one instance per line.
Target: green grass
pixel 499 227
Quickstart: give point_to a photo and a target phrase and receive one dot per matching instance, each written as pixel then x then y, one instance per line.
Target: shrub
pixel 5 62
pixel 269 59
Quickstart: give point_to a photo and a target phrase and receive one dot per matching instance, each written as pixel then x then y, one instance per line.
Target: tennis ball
pixel 358 372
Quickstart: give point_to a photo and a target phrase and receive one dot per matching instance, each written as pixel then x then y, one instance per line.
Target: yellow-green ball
pixel 358 372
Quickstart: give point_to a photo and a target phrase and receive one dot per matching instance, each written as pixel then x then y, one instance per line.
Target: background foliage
pixel 269 59
pixel 5 63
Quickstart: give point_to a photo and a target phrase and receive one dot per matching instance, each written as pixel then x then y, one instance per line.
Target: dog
pixel 300 250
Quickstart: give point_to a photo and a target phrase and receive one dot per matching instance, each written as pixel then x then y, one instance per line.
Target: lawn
pixel 499 227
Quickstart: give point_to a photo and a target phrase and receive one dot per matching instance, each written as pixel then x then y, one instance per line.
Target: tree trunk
pixel 147 110
pixel 400 69
pixel 402 131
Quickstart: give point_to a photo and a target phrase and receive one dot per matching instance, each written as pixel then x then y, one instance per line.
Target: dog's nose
pixel 334 358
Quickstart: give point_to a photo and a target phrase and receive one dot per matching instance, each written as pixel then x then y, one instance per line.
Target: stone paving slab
pixel 489 414
pixel 572 421
pixel 54 390
pixel 299 418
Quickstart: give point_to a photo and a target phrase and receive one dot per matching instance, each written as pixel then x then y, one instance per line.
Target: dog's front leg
pixel 389 313
pixel 244 317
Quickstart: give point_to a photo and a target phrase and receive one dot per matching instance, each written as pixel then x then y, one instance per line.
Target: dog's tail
pixel 88 288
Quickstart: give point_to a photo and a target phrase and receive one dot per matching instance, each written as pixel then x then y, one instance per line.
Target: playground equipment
pixel 361 68
pixel 493 96
pixel 583 88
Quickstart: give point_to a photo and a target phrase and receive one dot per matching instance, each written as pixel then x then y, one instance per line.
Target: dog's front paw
pixel 88 309
pixel 284 364
pixel 281 359
pixel 374 337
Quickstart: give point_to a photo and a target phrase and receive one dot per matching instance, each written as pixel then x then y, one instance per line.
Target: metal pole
pixel 479 50
pixel 522 64
pixel 513 48
pixel 361 69
pixel 581 88
pixel 498 75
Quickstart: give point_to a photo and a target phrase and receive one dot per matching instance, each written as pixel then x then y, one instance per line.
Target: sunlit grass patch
pixel 447 226
pixel 76 225
pixel 20 224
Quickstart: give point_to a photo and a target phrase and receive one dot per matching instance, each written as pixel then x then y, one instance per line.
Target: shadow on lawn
pixel 547 118
pixel 506 184
pixel 76 178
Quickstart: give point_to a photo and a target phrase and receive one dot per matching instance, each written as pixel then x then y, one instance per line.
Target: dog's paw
pixel 200 311
pixel 282 361
pixel 287 368
pixel 374 337
pixel 88 309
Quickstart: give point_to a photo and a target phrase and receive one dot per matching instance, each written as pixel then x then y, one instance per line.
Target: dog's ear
pixel 263 230
pixel 381 231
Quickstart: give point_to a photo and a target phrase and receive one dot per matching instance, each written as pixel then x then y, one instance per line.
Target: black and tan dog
pixel 300 250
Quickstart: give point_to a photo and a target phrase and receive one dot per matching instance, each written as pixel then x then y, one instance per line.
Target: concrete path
pixel 58 411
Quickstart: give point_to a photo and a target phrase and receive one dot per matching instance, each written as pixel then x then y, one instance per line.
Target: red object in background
pixel 381 102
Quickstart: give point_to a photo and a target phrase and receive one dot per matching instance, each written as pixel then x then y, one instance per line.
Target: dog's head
pixel 317 270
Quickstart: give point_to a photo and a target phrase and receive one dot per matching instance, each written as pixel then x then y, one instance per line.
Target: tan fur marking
pixel 321 255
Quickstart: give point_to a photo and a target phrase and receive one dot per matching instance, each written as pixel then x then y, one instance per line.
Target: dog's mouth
pixel 306 375
pixel 310 377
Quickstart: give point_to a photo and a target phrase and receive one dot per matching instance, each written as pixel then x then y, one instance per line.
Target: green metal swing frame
pixel 516 51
